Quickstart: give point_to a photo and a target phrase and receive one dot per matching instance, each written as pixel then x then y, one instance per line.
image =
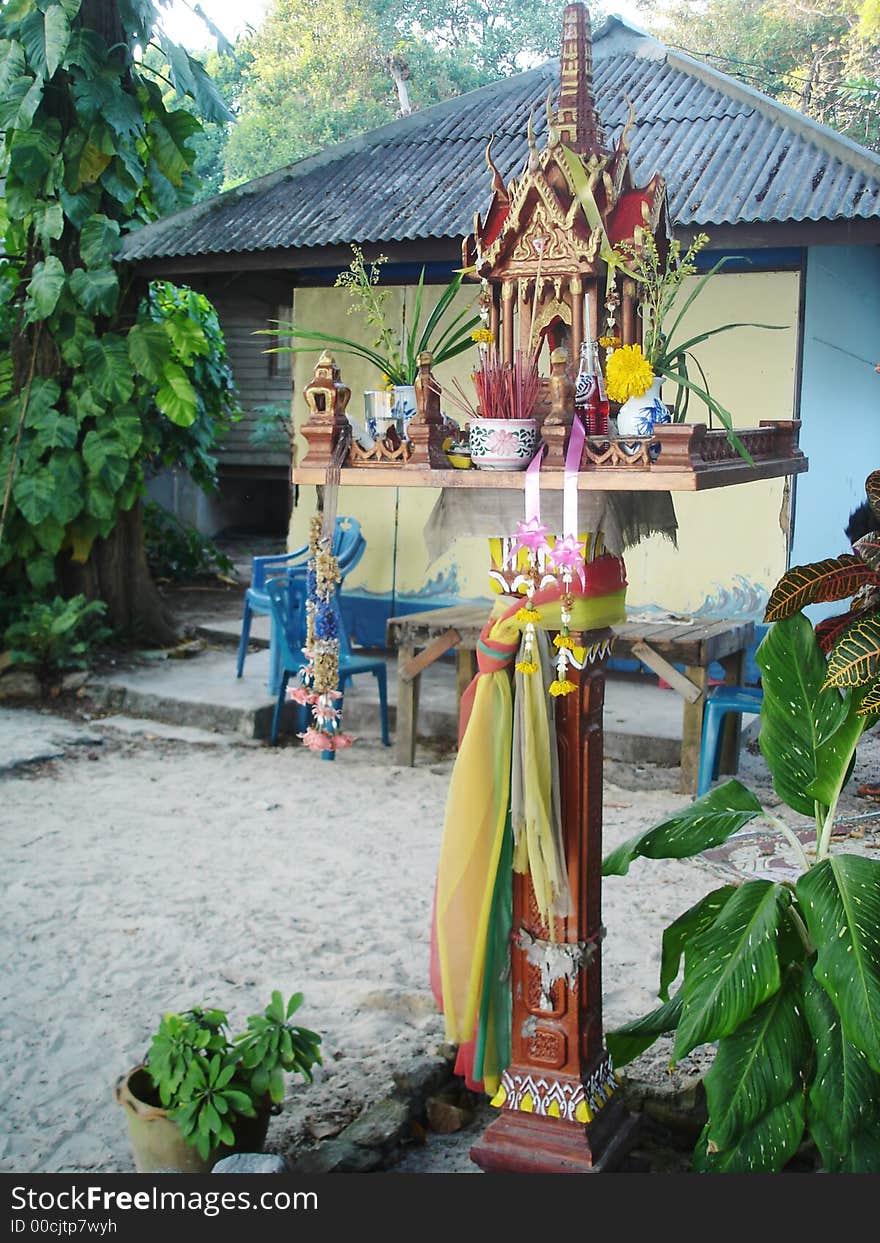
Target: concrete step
pixel 642 722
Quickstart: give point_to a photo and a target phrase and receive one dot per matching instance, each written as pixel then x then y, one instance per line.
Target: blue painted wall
pixel 840 398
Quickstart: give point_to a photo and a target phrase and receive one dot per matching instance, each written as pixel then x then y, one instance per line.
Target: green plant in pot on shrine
pixel 785 975
pixel 635 373
pixel 201 1092
pixel 396 346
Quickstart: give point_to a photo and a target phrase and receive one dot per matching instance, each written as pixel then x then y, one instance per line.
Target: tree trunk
pixel 117 573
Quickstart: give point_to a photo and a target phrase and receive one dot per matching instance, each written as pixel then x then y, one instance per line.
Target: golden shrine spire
pixel 576 120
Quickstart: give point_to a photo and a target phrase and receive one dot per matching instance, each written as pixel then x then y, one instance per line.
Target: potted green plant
pixel 635 373
pixel 396 348
pixel 785 975
pixel 201 1093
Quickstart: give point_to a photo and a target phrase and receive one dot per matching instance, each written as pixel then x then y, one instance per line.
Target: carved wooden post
pixel 558 1110
pixel 425 432
pixel 327 398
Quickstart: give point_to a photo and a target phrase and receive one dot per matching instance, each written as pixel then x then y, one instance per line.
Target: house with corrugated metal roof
pixel 794 204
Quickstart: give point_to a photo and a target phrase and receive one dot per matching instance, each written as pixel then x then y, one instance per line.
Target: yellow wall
pixel 733 540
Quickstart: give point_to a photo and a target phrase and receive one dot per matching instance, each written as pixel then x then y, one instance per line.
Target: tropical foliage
pixel 54 636
pixel 664 302
pixel 396 348
pixel 103 378
pixel 209 1080
pixel 783 975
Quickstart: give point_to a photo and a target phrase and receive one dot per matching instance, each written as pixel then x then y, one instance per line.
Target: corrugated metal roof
pixel 729 155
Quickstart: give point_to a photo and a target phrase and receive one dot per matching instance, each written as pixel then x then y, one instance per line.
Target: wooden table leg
pixel 407 710
pixel 465 668
pixel 734 675
pixel 692 731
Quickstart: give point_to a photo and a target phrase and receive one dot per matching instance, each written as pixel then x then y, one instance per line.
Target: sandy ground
pixel 144 875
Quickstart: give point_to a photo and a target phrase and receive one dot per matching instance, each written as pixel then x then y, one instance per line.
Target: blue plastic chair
pixel 288 605
pixel 720 701
pixel 349 546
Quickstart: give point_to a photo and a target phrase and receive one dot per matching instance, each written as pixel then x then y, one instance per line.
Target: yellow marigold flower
pixel 610 343
pixel 528 615
pixel 564 640
pixel 526 666
pixel 483 336
pixel 562 688
pixel 628 373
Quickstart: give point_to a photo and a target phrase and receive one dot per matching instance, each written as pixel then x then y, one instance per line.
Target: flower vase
pixel 638 415
pixel 403 406
pixel 502 444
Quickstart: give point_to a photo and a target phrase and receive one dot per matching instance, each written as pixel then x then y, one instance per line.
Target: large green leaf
pixel 34 492
pixel 169 159
pixel 50 534
pixel 109 368
pixel 707 822
pixel 19 103
pixel 99 241
pixel 33 38
pixel 48 222
pixel 755 1070
pixel 698 919
pixel 44 393
pixel 57 36
pixel 855 657
pixel 844 1096
pixel 32 152
pixel 835 757
pixel 53 429
pixel 732 967
pixel 627 1042
pixel 797 715
pixel 149 349
pixel 11 64
pixel 840 899
pixel 765 1148
pixel 66 470
pixel 176 397
pixel 106 459
pixel 44 288
pixel 96 291
pixel 837 578
pixel 186 336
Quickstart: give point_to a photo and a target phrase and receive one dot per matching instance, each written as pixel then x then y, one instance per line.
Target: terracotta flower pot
pixel 156 1141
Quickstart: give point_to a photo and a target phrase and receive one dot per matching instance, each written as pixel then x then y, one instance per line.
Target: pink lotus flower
pixel 503 443
pixel 343 741
pixel 531 534
pixel 302 695
pixel 324 712
pixel 568 554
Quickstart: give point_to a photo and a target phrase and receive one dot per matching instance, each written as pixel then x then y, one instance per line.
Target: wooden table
pixel 421 638
pixel 434 631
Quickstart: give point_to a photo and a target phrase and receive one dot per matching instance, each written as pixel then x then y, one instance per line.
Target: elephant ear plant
pixel 209 1080
pixel 784 975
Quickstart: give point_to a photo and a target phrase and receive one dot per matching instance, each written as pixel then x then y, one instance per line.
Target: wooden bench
pixel 422 638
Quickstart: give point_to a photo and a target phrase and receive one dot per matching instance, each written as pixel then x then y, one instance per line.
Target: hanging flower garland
pixel 319 678
pixel 568 558
pixel 530 537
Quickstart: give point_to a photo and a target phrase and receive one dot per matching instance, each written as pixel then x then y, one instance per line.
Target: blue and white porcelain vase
pixel 638 415
pixel 403 406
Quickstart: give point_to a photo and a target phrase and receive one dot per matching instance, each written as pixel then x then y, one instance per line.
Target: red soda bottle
pixel 590 398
